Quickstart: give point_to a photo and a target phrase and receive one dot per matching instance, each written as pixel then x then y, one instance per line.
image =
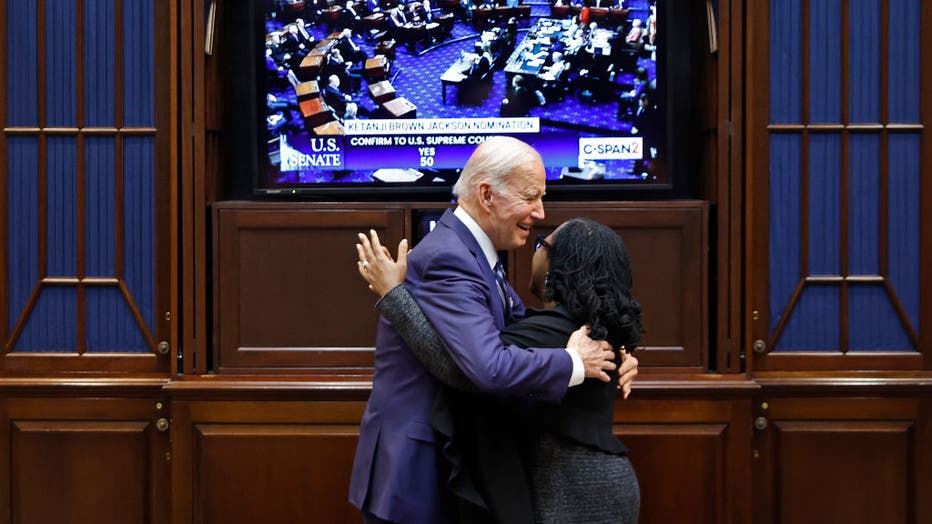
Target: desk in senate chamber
pixel 536 49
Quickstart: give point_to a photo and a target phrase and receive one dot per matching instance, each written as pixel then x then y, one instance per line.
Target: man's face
pixel 515 210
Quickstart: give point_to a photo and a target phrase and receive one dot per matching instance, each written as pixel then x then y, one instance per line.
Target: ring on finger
pixel 365 265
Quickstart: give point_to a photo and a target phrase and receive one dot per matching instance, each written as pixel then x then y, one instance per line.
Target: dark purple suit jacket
pixel 396 472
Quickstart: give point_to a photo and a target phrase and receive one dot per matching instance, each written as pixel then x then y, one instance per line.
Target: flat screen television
pixel 603 91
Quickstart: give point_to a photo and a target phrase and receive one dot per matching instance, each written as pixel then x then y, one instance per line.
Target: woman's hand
pixel 376 265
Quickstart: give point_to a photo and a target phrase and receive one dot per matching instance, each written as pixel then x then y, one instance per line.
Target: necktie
pixel 499 272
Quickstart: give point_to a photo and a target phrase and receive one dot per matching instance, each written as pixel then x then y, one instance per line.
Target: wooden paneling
pixel 668 246
pixel 287 291
pixel 279 266
pixel 273 473
pixel 290 461
pixel 691 451
pixel 264 461
pixel 840 460
pixel 696 453
pixel 83 460
pixel 857 471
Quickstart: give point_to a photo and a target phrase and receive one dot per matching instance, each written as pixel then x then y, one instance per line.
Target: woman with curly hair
pixel 511 460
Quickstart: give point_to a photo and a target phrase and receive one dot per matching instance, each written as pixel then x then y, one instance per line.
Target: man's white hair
pixel 494 161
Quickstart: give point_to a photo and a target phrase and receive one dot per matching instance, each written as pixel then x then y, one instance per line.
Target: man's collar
pixel 485 243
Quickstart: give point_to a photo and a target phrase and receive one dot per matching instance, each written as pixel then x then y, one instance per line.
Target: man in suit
pixel 397 475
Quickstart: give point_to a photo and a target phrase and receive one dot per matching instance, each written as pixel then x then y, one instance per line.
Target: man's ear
pixel 484 191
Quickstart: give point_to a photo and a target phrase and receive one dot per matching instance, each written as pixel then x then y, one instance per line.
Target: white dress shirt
pixel 491 256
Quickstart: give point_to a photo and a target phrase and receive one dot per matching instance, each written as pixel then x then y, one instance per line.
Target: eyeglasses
pixel 541 242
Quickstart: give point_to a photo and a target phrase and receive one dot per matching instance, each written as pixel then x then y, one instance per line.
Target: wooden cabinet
pixel 837 459
pixel 101 460
pixel 281 268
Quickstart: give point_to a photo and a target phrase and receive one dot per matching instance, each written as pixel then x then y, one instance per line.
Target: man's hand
pixel 627 372
pixel 597 355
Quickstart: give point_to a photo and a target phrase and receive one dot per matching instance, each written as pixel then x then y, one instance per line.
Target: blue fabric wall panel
pixel 60 63
pixel 52 326
pixel 139 222
pixel 61 197
pixel 824 204
pixel 904 61
pixel 825 61
pixel 111 327
pixel 100 213
pixel 784 221
pixel 864 69
pixel 785 62
pixel 139 63
pixel 99 63
pixel 903 222
pixel 864 205
pixel 22 64
pixel 814 323
pixel 21 207
pixel 873 323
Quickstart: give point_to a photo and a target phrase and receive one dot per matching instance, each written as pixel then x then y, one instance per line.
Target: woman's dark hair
pixel 590 275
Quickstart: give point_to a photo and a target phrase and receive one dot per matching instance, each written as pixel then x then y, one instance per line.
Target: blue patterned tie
pixel 499 272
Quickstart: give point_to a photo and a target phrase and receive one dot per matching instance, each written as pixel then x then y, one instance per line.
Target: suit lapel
pixel 448 219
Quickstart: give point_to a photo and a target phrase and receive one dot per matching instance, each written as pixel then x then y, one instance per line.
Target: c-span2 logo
pixel 611 148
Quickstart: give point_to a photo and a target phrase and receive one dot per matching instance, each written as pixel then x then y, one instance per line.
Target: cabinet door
pixel 855 460
pixel 85 188
pixel 839 272
pixel 273 462
pixel 288 294
pixel 93 460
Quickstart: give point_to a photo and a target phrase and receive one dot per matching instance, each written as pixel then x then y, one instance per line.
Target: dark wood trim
pixel 925 211
pixel 90 363
pixel 201 210
pixel 831 361
pixel 81 252
pixel 845 174
pixel 737 261
pixel 73 281
pixel 4 181
pixel 118 146
pixel 137 316
pixel 164 178
pixel 901 313
pixel 787 313
pixel 84 131
pixel 23 316
pixel 851 128
pixel 81 175
pixel 186 197
pixel 43 162
pixel 174 201
pixel 730 137
pixel 756 315
pixel 837 383
pixel 884 161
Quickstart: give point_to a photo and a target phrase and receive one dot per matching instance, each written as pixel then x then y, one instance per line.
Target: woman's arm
pixel 409 321
pixel 384 277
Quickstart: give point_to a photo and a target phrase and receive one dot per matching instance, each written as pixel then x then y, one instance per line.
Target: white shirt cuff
pixel 579 372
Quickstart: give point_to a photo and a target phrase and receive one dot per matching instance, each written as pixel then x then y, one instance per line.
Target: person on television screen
pixel 635 34
pixel 342 103
pixel 455 276
pixel 581 272
pixel 521 99
pixel 350 50
pixel 647 124
pixel 335 64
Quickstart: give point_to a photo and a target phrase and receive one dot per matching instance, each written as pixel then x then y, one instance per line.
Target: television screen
pixel 386 96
